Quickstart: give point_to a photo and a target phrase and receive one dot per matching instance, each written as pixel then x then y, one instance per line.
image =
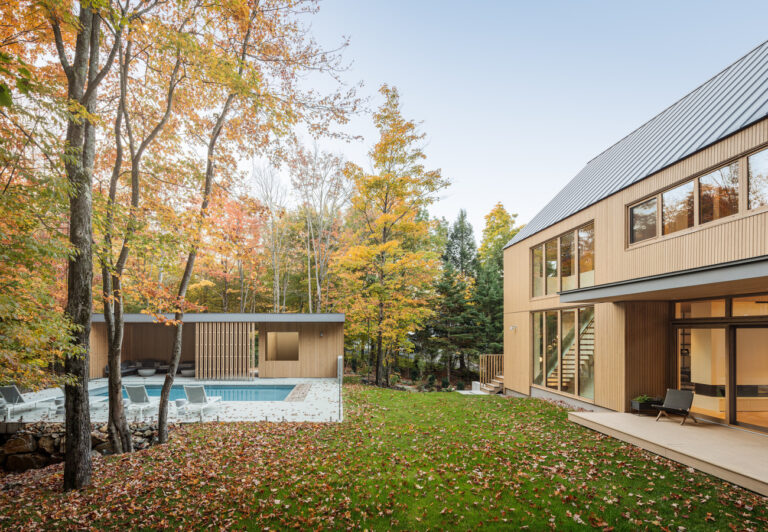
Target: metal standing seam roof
pixel 219 317
pixel 727 103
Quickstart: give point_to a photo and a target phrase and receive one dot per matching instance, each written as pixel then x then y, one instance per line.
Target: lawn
pixel 400 461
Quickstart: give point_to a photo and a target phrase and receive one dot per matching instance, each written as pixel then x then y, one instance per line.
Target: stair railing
pixel 490 366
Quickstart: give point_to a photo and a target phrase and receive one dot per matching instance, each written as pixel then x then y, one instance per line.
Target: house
pixel 649 270
pixel 228 346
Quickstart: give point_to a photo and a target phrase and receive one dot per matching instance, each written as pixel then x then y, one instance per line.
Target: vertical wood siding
pixel 224 350
pixel 647 349
pixel 317 354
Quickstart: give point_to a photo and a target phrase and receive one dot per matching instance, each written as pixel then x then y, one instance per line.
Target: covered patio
pixel 733 454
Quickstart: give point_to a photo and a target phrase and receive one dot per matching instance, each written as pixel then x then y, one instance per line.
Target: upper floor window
pixel 719 193
pixel 677 208
pixel 564 263
pixel 714 195
pixel 642 220
pixel 758 180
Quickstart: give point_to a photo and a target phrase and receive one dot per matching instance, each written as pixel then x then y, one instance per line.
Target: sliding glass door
pixel 751 363
pixel 702 354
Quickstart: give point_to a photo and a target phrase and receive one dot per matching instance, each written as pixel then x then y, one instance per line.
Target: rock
pixel 104 448
pixel 63 445
pixel 95 455
pixel 103 429
pixel 22 462
pixel 21 443
pixel 48 444
pixel 97 438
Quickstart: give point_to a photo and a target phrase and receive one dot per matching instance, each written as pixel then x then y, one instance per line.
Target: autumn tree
pixel 318 179
pixel 272 195
pixel 498 231
pixel 253 56
pixel 385 273
pixel 488 295
pixel 78 37
pixel 35 334
pixel 148 65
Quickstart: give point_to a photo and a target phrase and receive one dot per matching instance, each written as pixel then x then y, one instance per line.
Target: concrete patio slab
pixel 733 454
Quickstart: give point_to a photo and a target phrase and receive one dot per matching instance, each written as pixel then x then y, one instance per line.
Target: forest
pixel 166 157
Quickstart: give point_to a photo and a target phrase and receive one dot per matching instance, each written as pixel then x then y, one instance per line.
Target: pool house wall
pixel 227 346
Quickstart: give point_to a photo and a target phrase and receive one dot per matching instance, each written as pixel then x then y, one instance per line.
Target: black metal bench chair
pixel 676 402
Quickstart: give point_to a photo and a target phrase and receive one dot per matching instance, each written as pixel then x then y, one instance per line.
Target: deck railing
pixel 490 366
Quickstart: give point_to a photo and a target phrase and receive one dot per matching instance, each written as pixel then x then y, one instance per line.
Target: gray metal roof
pixel 233 317
pixel 730 101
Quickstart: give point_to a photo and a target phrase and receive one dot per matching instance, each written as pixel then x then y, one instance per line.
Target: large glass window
pixel 552 366
pixel 642 220
pixel 538 348
pixel 550 264
pixel 587 255
pixel 751 306
pixel 563 351
pixel 677 208
pixel 704 308
pixel 752 376
pixel 719 193
pixel 538 271
pixel 758 180
pixel 568 353
pixel 564 263
pixel 587 352
pixel 568 262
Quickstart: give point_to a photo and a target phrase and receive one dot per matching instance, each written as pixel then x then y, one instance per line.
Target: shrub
pixel 431 380
pixel 460 385
pixel 445 383
pixel 394 379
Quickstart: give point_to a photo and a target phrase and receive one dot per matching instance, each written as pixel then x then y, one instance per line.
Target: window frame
pixel 577 376
pixel 541 246
pixel 742 164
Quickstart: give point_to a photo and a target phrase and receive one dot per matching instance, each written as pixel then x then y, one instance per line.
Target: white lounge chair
pixel 197 397
pixel 14 400
pixel 139 398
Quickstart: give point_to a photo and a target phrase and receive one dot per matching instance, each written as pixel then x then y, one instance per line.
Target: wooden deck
pixel 732 454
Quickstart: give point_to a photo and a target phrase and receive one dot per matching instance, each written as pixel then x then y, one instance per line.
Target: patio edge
pixel 723 473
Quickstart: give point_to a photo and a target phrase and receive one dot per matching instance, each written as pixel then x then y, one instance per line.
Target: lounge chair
pixel 139 398
pixel 197 397
pixel 14 399
pixel 677 402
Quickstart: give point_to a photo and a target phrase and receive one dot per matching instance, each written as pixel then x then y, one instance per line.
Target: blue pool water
pixel 227 392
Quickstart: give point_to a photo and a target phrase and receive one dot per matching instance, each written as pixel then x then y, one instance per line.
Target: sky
pixel 516 97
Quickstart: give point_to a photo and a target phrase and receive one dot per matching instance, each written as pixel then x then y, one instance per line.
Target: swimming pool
pixel 227 392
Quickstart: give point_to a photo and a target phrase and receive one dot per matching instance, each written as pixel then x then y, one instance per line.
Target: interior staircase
pixel 568 362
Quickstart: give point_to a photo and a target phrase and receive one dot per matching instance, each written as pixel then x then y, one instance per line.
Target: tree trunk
pixel 81 136
pixel 117 425
pixel 379 353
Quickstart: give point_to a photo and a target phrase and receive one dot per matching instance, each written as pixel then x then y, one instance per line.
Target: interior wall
pixel 283 346
pixel 145 341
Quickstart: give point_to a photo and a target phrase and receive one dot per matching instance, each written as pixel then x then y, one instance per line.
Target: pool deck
pixel 318 401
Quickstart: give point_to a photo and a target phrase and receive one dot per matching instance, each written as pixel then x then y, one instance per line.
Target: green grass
pixel 400 461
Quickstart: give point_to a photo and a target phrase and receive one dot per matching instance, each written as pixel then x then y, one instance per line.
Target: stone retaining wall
pixel 40 444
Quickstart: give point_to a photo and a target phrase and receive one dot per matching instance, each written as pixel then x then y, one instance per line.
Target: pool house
pixel 217 346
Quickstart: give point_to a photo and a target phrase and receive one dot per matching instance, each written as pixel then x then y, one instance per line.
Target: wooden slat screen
pixel 224 350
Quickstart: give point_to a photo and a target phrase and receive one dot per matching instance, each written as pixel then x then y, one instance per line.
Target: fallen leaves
pixel 385 469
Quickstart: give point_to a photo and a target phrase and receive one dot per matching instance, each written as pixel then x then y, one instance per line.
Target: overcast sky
pixel 515 97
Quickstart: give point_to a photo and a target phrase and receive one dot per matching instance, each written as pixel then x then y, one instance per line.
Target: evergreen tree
pixel 460 250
